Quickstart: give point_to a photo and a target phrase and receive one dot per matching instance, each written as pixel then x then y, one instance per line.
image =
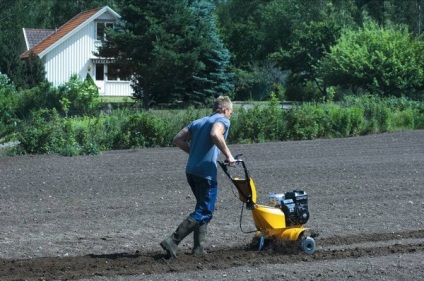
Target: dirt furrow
pixel 371 237
pixel 62 268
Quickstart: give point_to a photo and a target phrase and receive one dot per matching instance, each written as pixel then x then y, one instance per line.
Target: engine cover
pixel 295 207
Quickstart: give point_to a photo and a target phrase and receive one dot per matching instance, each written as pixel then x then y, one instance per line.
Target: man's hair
pixel 221 103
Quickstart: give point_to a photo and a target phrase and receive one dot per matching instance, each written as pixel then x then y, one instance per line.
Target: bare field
pixel 102 217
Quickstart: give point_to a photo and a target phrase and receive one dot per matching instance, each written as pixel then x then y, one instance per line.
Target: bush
pixel 345 121
pixel 43 134
pixel 376 113
pixel 46 132
pixel 384 60
pixel 9 101
pixel 301 124
pixel 146 130
pixel 79 97
pixel 43 96
pixel 258 124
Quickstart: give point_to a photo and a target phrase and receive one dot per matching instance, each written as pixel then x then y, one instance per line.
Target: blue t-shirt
pixel 203 152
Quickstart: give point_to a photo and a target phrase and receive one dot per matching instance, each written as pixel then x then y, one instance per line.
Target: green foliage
pixel 74 96
pixel 144 130
pixel 309 44
pixel 258 124
pixel 9 101
pixel 355 116
pixel 290 35
pixel 389 114
pixel 180 57
pixel 109 132
pixel 404 120
pixel 173 49
pixel 253 30
pixel 43 136
pixel 46 132
pixel 79 96
pixel 301 124
pixel 303 92
pixel 33 71
pixel 345 121
pixel 260 82
pixel 212 78
pixel 43 96
pixel 387 61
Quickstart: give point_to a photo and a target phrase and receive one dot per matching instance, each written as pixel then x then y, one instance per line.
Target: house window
pixel 100 72
pixel 115 72
pixel 108 69
pixel 101 28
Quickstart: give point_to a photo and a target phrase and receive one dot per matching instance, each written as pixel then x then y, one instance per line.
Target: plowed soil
pixel 102 217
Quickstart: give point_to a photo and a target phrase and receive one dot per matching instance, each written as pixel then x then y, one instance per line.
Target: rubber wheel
pixel 308 245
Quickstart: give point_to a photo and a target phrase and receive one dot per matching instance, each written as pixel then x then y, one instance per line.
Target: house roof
pixel 64 31
pixel 35 35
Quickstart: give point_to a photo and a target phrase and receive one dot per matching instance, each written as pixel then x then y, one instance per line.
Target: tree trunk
pixel 146 101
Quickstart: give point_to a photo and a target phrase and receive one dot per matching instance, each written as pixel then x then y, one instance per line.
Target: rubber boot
pixel 199 235
pixel 170 244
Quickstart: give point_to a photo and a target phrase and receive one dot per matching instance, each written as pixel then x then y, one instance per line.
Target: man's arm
pixel 217 135
pixel 182 140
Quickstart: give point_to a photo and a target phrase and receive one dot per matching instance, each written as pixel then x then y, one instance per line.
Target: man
pixel 203 140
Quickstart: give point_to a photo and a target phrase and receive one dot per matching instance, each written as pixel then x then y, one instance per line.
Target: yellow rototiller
pixel 282 219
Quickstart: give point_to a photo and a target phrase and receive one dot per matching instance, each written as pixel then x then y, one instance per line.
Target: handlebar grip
pixel 235 161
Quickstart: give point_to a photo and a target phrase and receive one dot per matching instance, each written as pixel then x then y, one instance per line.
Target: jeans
pixel 205 192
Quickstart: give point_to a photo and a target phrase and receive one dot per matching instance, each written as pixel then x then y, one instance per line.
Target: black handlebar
pixel 237 159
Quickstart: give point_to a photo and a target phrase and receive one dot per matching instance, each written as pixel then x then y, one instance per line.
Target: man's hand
pixel 231 161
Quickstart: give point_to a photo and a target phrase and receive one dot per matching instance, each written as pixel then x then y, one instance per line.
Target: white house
pixel 70 50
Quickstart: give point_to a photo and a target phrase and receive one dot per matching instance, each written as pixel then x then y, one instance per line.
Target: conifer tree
pixel 172 50
pixel 33 71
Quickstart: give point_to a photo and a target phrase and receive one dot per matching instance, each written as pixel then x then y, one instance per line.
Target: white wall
pixel 70 57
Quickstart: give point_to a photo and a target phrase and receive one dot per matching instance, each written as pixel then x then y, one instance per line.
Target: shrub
pixel 356 116
pixel 259 123
pixel 9 101
pixel 43 134
pixel 301 125
pixel 81 97
pixel 43 96
pixel 144 130
pixel 403 120
pixel 46 132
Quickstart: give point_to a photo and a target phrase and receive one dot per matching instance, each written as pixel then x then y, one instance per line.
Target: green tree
pixel 58 12
pixel 270 39
pixel 253 29
pixel 310 43
pixel 10 31
pixel 387 61
pixel 33 71
pixel 408 12
pixel 172 50
pixel 212 78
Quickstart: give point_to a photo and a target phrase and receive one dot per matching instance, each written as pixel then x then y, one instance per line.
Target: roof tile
pixel 60 33
pixel 35 35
